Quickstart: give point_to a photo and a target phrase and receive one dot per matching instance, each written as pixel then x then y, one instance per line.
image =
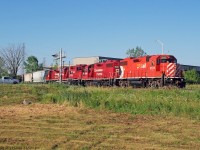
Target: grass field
pixel 62 117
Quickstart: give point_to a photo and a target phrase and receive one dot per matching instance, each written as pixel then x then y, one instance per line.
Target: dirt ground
pixel 53 126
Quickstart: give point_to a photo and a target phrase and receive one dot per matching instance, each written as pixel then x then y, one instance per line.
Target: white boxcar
pixel 38 76
pixel 27 77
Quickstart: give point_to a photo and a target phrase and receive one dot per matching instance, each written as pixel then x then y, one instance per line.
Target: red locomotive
pixel 145 71
pixel 153 71
pixel 103 73
pixel 52 76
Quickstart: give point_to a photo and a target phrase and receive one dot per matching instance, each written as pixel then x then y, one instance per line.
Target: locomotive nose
pixel 178 70
pixel 170 71
pixel 173 70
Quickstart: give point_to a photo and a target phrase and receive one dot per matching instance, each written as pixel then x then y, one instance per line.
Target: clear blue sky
pixel 102 27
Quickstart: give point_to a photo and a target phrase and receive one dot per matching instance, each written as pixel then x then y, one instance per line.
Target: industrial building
pixel 92 60
pixel 189 67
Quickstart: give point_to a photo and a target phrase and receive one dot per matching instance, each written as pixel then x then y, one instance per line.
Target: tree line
pixel 13 56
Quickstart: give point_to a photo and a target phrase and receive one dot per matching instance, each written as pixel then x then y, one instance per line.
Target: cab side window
pixel 158 61
pixel 152 63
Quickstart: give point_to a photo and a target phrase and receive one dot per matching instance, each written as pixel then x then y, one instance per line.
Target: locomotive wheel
pixel 124 83
pixel 153 84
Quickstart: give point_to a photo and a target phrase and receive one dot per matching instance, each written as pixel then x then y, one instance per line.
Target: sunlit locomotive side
pixel 150 71
pixel 146 71
pixel 52 76
pixel 101 74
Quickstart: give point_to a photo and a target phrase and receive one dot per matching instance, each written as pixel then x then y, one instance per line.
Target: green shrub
pixel 192 76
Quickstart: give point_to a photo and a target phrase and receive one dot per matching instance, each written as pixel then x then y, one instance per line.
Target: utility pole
pixel 60 56
pixel 60 65
pixel 23 60
pixel 44 63
pixel 69 69
pixel 162 45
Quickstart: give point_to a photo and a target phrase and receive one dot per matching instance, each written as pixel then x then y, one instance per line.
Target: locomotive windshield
pixel 165 59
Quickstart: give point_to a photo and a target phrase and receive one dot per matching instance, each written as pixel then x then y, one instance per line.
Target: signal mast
pixel 60 56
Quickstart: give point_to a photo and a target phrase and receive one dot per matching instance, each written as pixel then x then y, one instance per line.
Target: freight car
pixel 146 71
pixel 36 77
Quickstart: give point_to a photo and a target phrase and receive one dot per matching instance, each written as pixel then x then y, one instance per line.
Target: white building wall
pixel 85 60
pixel 91 60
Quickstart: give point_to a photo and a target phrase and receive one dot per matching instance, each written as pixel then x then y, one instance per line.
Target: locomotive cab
pixel 76 71
pixel 167 65
pixel 163 59
pixel 88 72
pixel 52 76
pixel 170 70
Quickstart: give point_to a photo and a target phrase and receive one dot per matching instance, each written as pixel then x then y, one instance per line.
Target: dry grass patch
pixel 53 126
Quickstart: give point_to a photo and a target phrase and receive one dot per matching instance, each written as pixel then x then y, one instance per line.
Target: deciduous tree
pixel 137 52
pixel 13 56
pixel 3 71
pixel 32 64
